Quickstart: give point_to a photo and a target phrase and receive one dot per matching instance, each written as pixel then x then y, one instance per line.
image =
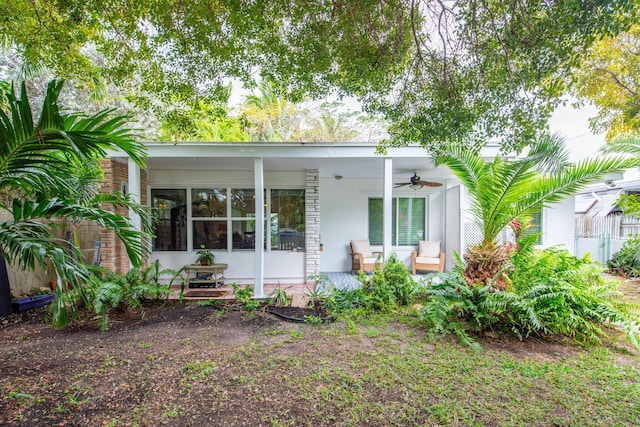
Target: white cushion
pixel 427 260
pixel 429 248
pixel 371 260
pixel 361 247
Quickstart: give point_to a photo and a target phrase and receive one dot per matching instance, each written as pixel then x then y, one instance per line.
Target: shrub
pixel 626 261
pixel 105 291
pixel 384 290
pixel 548 292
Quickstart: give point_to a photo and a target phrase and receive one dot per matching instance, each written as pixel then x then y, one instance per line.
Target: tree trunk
pixel 484 263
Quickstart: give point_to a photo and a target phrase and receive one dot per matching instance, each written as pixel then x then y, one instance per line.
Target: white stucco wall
pixel 344 217
pixel 558 225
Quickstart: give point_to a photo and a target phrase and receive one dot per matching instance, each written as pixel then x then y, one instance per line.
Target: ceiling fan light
pixel 415 187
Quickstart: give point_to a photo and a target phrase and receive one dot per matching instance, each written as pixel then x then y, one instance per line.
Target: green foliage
pixel 244 296
pixel 469 70
pixel 278 297
pixel 629 203
pixel 204 256
pixel 550 292
pixel 609 79
pixel 202 120
pixel 384 290
pixel 105 291
pixel 505 189
pixel 41 180
pixel 627 260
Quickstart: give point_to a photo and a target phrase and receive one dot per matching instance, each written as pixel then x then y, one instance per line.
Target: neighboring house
pixel 316 198
pixel 600 226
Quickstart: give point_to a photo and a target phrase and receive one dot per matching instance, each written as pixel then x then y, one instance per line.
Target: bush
pixel 105 291
pixel 548 292
pixel 384 290
pixel 626 261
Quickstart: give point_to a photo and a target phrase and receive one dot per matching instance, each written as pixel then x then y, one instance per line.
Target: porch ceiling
pixel 403 168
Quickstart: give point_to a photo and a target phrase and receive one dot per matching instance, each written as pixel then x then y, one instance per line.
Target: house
pixel 316 198
pixel 601 229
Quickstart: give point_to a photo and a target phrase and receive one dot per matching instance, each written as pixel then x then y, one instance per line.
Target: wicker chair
pixel 427 257
pixel 363 259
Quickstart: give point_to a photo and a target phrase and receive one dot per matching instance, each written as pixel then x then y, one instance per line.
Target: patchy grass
pixel 186 365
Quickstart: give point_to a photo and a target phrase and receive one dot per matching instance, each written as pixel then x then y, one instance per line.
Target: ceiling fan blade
pixel 430 184
pixel 402 184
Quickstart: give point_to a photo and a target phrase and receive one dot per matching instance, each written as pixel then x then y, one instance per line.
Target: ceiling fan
pixel 417 182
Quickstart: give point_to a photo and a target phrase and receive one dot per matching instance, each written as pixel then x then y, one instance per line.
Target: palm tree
pixel 271 117
pixel 41 180
pixel 503 190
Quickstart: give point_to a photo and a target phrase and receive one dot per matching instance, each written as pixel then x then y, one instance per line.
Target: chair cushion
pixel 428 248
pixel 361 247
pixel 371 260
pixel 427 260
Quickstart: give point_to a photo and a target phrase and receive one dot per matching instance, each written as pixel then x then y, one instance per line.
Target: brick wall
pixel 114 255
pixel 312 228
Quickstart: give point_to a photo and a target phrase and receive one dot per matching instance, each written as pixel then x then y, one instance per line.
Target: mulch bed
pixel 299 314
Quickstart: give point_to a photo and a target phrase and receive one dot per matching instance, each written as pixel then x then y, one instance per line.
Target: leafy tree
pixel 457 71
pixel 202 121
pixel 41 180
pixel 330 123
pixel 504 189
pixel 611 80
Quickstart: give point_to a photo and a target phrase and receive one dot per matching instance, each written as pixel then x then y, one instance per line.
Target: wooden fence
pixel 616 226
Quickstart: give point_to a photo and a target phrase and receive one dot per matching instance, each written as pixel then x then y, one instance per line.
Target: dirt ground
pixel 179 364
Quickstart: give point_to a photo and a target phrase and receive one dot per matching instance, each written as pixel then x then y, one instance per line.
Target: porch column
pixel 387 201
pixel 133 178
pixel 258 176
pixel 312 226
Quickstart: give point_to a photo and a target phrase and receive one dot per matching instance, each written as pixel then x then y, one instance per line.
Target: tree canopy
pixel 460 71
pixel 611 79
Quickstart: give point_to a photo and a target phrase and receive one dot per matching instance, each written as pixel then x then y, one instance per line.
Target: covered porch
pixel 348 192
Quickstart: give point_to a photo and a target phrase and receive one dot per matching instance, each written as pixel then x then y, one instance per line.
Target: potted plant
pixel 204 256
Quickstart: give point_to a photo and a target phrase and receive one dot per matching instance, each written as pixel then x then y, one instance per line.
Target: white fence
pixel 604 236
pixel 617 226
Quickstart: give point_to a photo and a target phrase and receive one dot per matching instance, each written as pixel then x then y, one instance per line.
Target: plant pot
pixel 31 302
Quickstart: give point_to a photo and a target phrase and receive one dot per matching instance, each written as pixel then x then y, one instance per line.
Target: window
pixel 209 211
pixel 287 220
pixel 224 218
pixel 536 226
pixel 171 207
pixel 407 217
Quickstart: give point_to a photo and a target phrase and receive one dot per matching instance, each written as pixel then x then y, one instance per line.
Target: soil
pixel 299 314
pixel 176 364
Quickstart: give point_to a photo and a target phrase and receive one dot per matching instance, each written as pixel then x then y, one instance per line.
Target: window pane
pixel 244 234
pixel 210 234
pixel 536 226
pixel 375 221
pixel 243 203
pixel 411 221
pixel 287 219
pixel 171 230
pixel 208 202
pixel 376 216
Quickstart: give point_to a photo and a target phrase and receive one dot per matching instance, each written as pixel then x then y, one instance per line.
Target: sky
pixel 573 124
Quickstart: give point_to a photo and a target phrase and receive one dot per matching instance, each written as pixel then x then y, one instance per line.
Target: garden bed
pixel 299 314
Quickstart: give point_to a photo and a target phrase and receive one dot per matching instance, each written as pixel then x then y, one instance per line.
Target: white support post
pixel 258 171
pixel 387 201
pixel 133 187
